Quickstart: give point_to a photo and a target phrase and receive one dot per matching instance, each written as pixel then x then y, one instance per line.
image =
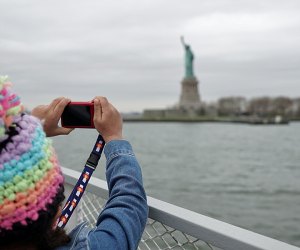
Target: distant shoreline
pixel 262 121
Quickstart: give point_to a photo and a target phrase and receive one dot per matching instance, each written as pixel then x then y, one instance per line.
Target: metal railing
pixel 170 226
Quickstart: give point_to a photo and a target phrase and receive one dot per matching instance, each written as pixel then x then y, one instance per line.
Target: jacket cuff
pixel 117 147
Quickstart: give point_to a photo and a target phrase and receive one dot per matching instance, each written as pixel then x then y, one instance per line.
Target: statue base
pixel 189 97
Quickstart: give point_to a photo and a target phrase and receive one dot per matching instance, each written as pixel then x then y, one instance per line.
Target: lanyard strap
pixel 82 182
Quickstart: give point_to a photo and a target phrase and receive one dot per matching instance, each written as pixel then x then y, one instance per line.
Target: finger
pixel 54 103
pixel 98 97
pixel 60 106
pixel 55 114
pixel 97 110
pixel 103 102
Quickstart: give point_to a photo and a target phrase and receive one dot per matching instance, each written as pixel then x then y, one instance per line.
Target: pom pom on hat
pixel 10 106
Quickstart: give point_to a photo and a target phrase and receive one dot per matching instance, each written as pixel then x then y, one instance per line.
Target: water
pixel 242 174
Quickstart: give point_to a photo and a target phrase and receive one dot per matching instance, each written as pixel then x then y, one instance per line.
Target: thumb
pixel 63 131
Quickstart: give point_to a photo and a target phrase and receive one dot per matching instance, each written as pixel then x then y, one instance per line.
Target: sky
pixel 130 51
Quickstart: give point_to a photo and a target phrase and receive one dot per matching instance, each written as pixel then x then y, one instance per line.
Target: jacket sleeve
pixel 121 224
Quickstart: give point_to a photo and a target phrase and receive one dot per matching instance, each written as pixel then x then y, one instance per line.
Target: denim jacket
pixel 121 223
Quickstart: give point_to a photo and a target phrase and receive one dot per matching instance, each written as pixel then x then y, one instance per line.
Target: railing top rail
pixel 215 232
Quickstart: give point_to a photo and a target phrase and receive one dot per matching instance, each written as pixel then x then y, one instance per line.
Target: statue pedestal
pixel 189 97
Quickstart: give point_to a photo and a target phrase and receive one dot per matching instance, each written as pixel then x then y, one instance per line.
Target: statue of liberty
pixel 189 97
pixel 189 57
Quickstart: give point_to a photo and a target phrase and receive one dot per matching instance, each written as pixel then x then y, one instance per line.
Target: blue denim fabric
pixel 121 223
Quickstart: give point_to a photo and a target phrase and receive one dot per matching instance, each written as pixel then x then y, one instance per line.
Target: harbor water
pixel 245 175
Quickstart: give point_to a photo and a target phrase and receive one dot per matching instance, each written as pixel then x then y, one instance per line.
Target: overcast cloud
pixel 130 52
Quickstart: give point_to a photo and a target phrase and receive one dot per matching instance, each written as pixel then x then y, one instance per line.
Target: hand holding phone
pixel 78 115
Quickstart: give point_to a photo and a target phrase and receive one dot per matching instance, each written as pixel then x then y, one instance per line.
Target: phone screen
pixel 76 115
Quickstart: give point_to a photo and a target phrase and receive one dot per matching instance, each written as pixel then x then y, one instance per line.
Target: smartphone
pixel 78 115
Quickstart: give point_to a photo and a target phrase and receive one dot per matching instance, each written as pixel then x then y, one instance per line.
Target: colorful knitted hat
pixel 29 172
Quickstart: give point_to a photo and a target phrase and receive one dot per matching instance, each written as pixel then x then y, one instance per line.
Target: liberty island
pixel 236 109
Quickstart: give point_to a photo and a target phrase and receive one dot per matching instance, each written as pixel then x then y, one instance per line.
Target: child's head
pixel 31 183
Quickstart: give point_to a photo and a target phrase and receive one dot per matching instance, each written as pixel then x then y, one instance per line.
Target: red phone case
pixel 91 104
